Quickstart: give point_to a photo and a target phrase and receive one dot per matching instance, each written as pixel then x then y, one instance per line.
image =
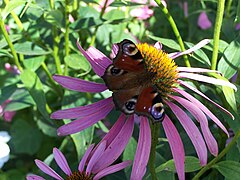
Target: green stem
pixel 217 30
pixel 95 31
pixel 56 40
pixel 154 134
pixel 175 30
pixel 52 82
pixel 6 36
pixel 228 9
pixel 66 35
pixel 216 159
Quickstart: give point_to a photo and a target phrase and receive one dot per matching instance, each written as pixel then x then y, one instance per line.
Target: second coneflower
pixel 145 81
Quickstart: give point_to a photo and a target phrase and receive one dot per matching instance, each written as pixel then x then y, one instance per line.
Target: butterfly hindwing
pixel 149 103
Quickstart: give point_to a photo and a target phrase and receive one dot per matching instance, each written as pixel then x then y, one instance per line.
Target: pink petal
pixel 61 161
pixel 34 177
pixel 202 78
pixel 85 122
pixel 200 116
pixel 191 69
pixel 192 49
pixel 97 63
pixel 113 132
pixel 99 57
pixel 114 150
pixel 111 169
pixel 143 150
pixel 97 154
pixel 80 85
pixel 204 96
pixel 203 108
pixel 192 131
pixel 81 111
pixel 176 146
pixel 84 158
pixel 158 45
pixel 115 50
pixel 203 21
pixel 46 169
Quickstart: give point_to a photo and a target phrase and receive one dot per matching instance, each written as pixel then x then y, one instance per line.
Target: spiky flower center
pixel 76 175
pixel 163 67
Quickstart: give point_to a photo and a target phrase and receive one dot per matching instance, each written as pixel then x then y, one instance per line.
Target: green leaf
pixel 28 48
pixel 19 100
pixel 25 138
pixel 230 61
pixel 6 92
pixel 13 38
pixel 33 63
pixel 86 23
pixel 77 61
pixel 228 92
pixel 11 6
pixel 47 129
pixel 35 88
pixel 191 164
pixel 229 169
pixel 54 17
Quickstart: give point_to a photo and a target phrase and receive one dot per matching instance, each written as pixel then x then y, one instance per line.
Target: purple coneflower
pixel 166 69
pixel 90 167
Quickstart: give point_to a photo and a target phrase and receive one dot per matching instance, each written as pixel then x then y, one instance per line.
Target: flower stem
pixel 216 159
pixel 154 134
pixel 175 30
pixel 56 40
pixel 217 29
pixel 66 35
pixel 6 36
pixel 51 81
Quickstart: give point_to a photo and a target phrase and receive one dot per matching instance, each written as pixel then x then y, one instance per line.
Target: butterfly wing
pixel 127 67
pixel 140 100
pixel 149 103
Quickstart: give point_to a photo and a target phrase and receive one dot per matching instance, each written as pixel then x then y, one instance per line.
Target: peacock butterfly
pixel 130 82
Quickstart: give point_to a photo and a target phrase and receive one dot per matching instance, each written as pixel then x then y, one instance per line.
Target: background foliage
pixel 44 40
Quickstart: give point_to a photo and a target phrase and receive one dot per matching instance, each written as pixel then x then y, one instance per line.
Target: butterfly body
pixel 130 82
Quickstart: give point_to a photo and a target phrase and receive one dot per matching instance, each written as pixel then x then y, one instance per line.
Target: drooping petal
pixel 46 169
pixel 114 150
pixel 202 78
pixel 200 116
pixel 111 169
pixel 81 111
pixel 84 158
pixel 97 154
pixel 99 57
pixel 97 65
pixel 176 146
pixel 204 96
pixel 34 177
pixel 113 132
pixel 203 108
pixel 143 150
pixel 80 85
pixel 61 161
pixel 192 132
pixel 192 49
pixel 83 123
pixel 191 69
